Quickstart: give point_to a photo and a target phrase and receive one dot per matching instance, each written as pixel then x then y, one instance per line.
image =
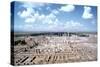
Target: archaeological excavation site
pixel 48 48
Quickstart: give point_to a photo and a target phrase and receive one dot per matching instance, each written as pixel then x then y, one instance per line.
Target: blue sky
pixel 36 17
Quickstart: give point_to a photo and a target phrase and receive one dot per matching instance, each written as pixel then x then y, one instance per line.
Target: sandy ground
pixel 55 49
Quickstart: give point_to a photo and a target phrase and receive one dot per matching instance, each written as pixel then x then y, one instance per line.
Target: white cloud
pixel 55 11
pixel 87 13
pixel 30 20
pixel 48 8
pixel 48 22
pixel 48 19
pixel 26 13
pixel 35 17
pixel 29 14
pixel 32 5
pixel 74 26
pixel 67 8
pixel 42 17
pixel 52 25
pixel 45 19
pixel 51 16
